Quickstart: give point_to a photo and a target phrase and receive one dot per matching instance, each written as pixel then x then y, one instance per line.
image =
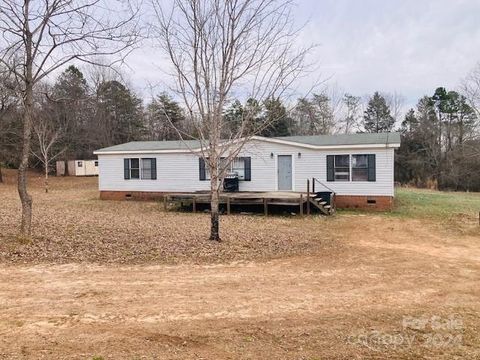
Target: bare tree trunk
pixel 214 206
pixel 46 175
pixel 25 197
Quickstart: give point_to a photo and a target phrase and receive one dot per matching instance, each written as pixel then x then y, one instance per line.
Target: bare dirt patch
pixel 350 287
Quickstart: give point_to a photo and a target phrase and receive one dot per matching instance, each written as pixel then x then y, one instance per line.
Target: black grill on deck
pixel 230 183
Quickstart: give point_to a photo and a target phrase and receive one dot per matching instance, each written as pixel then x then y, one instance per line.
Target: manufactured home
pixel 357 168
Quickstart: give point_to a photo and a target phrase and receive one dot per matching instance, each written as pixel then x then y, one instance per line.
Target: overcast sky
pixel 407 46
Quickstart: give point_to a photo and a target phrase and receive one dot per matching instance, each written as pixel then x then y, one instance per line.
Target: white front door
pixel 284 172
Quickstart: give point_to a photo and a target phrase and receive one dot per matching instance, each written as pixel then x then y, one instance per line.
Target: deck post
pixel 308 196
pixel 228 205
pixel 165 202
pixel 194 204
pixel 265 206
pixel 301 204
pixel 313 185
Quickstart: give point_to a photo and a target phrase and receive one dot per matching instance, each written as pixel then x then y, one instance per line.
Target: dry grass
pixel 72 224
pixel 336 288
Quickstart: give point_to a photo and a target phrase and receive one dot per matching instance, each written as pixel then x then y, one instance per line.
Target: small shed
pixel 60 168
pixel 77 168
pixel 83 167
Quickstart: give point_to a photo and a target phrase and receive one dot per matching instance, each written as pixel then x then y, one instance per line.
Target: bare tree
pixel 395 102
pixel 39 37
pixel 351 118
pixel 221 48
pixel 471 88
pixel 48 134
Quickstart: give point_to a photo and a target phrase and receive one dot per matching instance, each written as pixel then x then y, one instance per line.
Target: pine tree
pixel 275 121
pixel 377 118
pixel 410 122
pixel 165 118
pixel 233 116
pixel 72 108
pixel 119 114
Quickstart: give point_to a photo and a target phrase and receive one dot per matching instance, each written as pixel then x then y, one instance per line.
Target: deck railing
pixel 315 180
pixel 314 191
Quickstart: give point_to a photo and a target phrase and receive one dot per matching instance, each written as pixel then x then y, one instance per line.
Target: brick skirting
pixel 379 203
pixel 131 195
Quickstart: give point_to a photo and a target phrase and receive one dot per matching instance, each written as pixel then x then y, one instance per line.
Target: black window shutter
pixel 330 168
pixel 201 168
pixel 248 168
pixel 154 168
pixel 126 169
pixel 372 173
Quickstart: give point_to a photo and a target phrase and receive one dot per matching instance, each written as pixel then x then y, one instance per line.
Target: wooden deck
pixel 280 198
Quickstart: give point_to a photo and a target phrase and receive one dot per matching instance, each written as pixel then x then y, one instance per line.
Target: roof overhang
pixel 258 138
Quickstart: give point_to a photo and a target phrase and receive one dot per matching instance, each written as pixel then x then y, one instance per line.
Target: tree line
pixel 440 143
pixel 74 116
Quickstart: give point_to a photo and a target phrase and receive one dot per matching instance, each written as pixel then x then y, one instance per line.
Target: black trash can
pixel 230 183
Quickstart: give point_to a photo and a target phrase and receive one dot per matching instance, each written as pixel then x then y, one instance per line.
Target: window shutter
pixel 248 168
pixel 372 173
pixel 201 168
pixel 126 169
pixel 154 168
pixel 330 168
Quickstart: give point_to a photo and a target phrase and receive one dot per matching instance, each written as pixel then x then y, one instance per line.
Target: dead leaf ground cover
pixel 354 286
pixel 71 224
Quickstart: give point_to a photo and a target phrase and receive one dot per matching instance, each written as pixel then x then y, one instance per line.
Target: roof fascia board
pixel 306 146
pixel 310 146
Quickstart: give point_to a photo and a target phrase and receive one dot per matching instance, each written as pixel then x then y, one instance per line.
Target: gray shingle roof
pixel 153 146
pixel 345 139
pixel 316 140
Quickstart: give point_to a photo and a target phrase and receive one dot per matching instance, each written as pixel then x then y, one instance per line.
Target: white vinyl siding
pixel 179 172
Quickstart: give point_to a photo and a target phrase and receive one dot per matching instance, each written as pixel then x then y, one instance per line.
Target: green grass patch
pixel 429 204
pixel 422 203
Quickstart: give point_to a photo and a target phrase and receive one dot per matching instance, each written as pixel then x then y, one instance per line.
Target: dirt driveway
pixel 398 288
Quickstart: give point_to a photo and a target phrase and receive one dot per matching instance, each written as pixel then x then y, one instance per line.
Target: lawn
pixel 421 203
pixel 126 280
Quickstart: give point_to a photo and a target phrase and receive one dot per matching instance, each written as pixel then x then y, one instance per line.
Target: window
pixel 207 172
pixel 80 164
pixel 145 169
pixel 241 166
pixel 362 167
pixel 359 167
pixel 238 167
pixel 134 168
pixel 342 168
